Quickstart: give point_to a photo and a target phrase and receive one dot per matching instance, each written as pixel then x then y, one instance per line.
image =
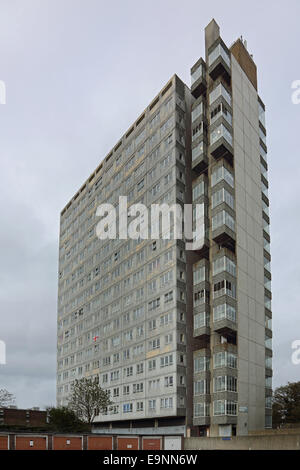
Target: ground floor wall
pixel 260 442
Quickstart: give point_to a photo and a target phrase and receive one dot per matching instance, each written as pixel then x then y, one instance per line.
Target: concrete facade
pixel 181 338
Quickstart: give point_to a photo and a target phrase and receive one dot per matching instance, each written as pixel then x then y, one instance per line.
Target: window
pixel 169 338
pixel 128 371
pixel 155 189
pixel 197 111
pixel 167 125
pixel 199 274
pixel 166 361
pixel 220 196
pixel 166 402
pixel 166 278
pixel 201 319
pixel 225 383
pixel 224 264
pixel 223 218
pixel 169 381
pixel 220 90
pixel 166 319
pixel 196 74
pixel 138 388
pixel 201 364
pixel 200 297
pixel 268 342
pixel 140 368
pixel 199 190
pixel 225 359
pixel 200 387
pixel 127 408
pixel 201 409
pixel 220 110
pixel 224 311
pixel 269 402
pixel 152 325
pixel 224 287
pixel 152 364
pixel 221 173
pixel 218 51
pixel 224 408
pixel 140 406
pixel 114 375
pixel 197 131
pixel 261 114
pixel 168 297
pixel 154 304
pixel 155 120
pixel 152 405
pixel 154 344
pixel 197 151
pixel 153 384
pixel 220 131
pixel 268 382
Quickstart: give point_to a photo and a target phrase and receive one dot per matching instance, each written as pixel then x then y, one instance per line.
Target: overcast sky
pixel 78 73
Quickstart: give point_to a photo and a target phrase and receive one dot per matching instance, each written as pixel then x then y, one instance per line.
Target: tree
pixel 286 404
pixel 63 419
pixel 6 398
pixel 88 399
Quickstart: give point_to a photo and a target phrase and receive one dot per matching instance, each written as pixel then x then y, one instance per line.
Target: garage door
pixel 3 442
pixel 173 443
pixel 67 443
pixel 100 443
pixel 128 443
pixel 151 443
pixel 31 443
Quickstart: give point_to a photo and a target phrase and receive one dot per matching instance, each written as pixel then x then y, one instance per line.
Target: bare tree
pixel 6 398
pixel 88 399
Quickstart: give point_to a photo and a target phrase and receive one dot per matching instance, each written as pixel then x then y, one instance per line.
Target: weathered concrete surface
pixel 264 442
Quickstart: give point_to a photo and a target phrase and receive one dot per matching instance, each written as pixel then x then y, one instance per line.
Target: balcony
pixel 226 328
pixel 219 62
pixel 202 326
pixel 221 145
pixel 198 78
pixel 199 156
pixel 201 410
pixel 223 229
